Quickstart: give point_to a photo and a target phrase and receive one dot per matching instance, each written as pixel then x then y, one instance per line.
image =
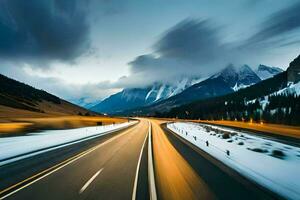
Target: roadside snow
pixel 14 148
pixel 272 164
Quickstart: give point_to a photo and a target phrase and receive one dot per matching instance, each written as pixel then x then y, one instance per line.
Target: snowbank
pixel 16 148
pixel 272 164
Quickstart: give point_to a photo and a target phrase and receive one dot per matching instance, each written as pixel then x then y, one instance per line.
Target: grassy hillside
pixel 26 109
pixel 17 95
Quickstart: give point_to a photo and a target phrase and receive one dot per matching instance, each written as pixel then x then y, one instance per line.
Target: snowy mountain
pixel 161 97
pixel 238 77
pixel 137 97
pixel 290 86
pixel 228 80
pixel 265 72
pixel 84 102
pixel 231 106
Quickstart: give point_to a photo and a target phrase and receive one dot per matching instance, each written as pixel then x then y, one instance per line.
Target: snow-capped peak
pixel 161 91
pixel 238 77
pixel 265 72
pixel 85 102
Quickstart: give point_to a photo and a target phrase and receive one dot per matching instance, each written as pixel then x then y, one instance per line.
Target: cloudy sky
pixel 93 48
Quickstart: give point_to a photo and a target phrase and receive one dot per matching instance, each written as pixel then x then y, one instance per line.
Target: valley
pixel 149 100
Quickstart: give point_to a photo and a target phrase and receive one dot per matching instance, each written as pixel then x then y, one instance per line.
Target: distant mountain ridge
pixel 238 77
pixel 265 72
pixel 228 80
pixel 162 97
pixel 273 100
pixel 84 102
pixel 136 97
pixel 243 103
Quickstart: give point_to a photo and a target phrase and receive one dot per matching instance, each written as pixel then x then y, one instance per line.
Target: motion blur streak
pixel 175 178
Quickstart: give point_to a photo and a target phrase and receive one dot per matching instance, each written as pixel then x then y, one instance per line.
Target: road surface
pixel 106 171
pixel 127 164
pixel 184 172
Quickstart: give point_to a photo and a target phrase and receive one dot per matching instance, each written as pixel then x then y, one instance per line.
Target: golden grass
pixel 264 128
pixel 284 130
pixel 8 114
pixel 55 116
pixel 21 125
pixel 13 127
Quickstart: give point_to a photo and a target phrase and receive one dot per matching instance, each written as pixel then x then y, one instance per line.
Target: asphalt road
pixel 116 166
pixel 107 170
pixel 185 172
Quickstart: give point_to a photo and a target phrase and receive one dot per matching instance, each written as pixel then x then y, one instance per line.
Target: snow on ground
pixel 293 88
pixel 272 164
pixel 237 87
pixel 20 145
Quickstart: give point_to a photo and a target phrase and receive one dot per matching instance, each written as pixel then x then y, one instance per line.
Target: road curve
pixel 105 171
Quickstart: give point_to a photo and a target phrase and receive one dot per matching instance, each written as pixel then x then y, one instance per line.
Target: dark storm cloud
pixel 193 47
pixel 278 24
pixel 190 40
pixel 144 63
pixel 42 29
pixel 187 49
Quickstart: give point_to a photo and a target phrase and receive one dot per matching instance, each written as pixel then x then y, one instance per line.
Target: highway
pixel 107 170
pixel 138 162
pixel 185 172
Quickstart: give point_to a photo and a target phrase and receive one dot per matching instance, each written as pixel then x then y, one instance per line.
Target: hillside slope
pixel 265 72
pixel 23 99
pixel 258 90
pixel 273 100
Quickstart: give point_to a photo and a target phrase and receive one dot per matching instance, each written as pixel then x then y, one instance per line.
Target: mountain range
pixel 85 102
pixel 163 97
pixel 274 100
pixel 265 72
pixel 136 97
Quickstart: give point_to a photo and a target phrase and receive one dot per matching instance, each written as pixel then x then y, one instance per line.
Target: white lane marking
pixel 71 161
pixel 152 187
pixel 90 181
pixel 137 170
pixel 9 160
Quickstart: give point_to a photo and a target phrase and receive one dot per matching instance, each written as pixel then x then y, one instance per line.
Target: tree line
pixel 280 109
